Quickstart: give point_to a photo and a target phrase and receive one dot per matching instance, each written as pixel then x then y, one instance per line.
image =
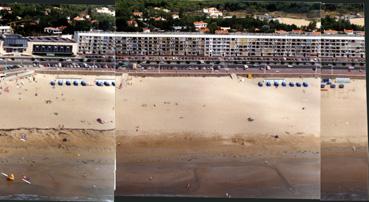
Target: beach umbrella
pixel 260 84
pixel 67 83
pixel 75 83
pixel 276 84
pixel 52 83
pixel 268 84
pixel 341 85
pixel 106 83
pixel 322 85
pixel 298 84
pixel 113 83
pixel 305 84
pixel 284 84
pixel 325 80
pixel 60 82
pixel 291 84
pixel 83 83
pixel 99 83
pixel 333 85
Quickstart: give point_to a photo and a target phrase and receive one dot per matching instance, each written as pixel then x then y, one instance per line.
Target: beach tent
pixel 75 83
pixel 291 84
pixel 284 84
pixel 276 84
pixel 52 83
pixel 343 80
pixel 341 85
pixel 305 84
pixel 333 85
pixel 60 82
pixel 67 83
pixel 260 84
pixel 322 85
pixel 268 83
pixel 298 84
pixel 83 83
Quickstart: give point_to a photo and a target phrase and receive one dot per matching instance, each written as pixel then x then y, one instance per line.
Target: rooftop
pixel 49 39
pixel 311 35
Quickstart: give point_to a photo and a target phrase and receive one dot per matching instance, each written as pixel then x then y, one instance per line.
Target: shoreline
pixel 211 167
pixel 77 163
pixel 207 137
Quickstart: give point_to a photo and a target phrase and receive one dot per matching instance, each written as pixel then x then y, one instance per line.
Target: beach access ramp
pixel 234 76
pixel 123 80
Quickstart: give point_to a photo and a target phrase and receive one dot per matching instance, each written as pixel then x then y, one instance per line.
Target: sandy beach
pixel 36 104
pixel 344 143
pixel 51 135
pixel 217 137
pixel 357 21
pixel 292 21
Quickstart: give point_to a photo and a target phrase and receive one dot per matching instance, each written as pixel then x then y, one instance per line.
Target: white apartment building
pixel 211 45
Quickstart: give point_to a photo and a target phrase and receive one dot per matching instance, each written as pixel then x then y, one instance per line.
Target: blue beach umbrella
pixel 106 83
pixel 99 83
pixel 60 82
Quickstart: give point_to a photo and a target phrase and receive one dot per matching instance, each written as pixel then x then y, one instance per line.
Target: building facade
pixel 95 44
pixel 51 46
pixel 6 30
pixel 17 45
pixel 306 46
pixel 13 44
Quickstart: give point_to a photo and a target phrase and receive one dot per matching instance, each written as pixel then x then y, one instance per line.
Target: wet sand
pixel 68 154
pixel 188 136
pixel 61 164
pixel 344 157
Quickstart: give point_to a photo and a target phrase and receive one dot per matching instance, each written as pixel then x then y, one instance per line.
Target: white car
pixel 245 66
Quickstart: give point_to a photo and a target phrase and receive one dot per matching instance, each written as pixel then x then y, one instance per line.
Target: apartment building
pixel 343 46
pixel 217 45
pixel 230 45
pixel 95 43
